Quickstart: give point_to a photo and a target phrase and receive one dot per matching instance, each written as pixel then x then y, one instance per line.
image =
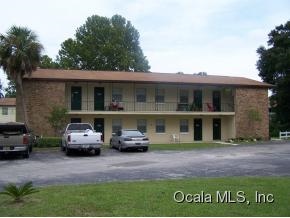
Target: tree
pixel 20 53
pixel 57 118
pixel 274 68
pixel 10 91
pixel 1 90
pixel 46 63
pixel 104 44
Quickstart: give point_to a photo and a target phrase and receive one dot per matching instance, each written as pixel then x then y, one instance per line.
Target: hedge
pixel 48 142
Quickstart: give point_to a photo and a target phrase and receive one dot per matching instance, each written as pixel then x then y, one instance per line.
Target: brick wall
pixel 40 97
pixel 251 99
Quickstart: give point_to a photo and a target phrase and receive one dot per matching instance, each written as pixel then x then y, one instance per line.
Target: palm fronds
pixel 18 193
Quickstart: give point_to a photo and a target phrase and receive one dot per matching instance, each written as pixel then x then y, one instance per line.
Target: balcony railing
pixel 150 107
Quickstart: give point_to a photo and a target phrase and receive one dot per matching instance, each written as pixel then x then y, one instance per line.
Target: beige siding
pixel 129 92
pixel 10 116
pixel 171 126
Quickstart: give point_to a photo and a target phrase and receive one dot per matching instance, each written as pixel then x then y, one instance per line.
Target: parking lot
pixel 53 167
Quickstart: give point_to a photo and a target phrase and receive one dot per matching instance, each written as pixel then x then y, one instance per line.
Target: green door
pixel 216 100
pixel 216 129
pixel 197 100
pixel 197 129
pixel 99 126
pixel 99 98
pixel 76 98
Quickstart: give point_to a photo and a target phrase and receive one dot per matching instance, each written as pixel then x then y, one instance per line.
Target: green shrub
pixel 48 142
pixel 18 192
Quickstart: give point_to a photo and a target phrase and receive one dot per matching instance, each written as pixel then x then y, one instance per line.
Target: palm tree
pixel 20 53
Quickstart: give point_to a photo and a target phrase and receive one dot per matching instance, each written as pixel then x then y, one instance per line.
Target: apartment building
pixel 164 106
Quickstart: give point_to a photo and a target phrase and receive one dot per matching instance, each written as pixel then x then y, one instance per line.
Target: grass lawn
pixel 185 146
pixel 153 198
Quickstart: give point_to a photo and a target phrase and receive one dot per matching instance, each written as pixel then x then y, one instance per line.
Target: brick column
pixel 251 99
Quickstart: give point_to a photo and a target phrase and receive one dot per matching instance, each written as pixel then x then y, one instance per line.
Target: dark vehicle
pixel 16 138
pixel 129 139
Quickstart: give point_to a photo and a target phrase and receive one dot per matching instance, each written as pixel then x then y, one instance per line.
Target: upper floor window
pixel 183 96
pixel 142 125
pixel 117 94
pixel 141 95
pixel 4 110
pixel 159 95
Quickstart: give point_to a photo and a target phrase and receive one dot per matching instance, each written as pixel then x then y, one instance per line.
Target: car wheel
pixel 145 149
pixel 26 154
pixel 97 151
pixel 120 148
pixel 67 151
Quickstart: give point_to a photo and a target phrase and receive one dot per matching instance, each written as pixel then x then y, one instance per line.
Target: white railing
pixel 284 135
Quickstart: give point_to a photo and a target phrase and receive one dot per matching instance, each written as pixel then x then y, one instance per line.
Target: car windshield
pixel 13 129
pixel 79 126
pixel 132 133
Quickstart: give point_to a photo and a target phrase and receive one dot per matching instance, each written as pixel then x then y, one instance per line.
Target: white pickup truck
pixel 81 136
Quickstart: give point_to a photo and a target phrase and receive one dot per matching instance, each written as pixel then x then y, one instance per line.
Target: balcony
pixel 90 107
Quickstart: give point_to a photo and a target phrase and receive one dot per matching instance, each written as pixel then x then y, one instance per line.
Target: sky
pixel 219 37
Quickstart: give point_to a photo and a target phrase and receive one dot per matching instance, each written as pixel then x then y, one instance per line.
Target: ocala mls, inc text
pixel 221 197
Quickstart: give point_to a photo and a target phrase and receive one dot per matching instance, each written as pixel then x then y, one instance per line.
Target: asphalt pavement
pixel 54 167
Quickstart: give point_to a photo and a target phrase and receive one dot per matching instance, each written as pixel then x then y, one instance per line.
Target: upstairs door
pixel 216 131
pixel 99 126
pixel 216 100
pixel 99 98
pixel 76 98
pixel 197 101
pixel 197 129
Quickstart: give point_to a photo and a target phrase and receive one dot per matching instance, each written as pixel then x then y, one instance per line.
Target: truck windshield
pixel 12 129
pixel 79 126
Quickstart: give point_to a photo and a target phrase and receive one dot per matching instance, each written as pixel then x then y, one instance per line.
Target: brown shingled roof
pixel 8 101
pixel 121 76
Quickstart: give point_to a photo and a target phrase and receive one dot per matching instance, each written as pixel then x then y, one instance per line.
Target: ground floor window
pixel 160 126
pixel 4 110
pixel 183 127
pixel 116 125
pixel 142 125
pixel 75 120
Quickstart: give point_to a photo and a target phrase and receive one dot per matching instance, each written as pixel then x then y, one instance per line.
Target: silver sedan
pixel 129 139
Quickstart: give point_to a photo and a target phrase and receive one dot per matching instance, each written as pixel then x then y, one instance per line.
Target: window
pixel 160 126
pixel 141 95
pixel 75 120
pixel 4 110
pixel 183 126
pixel 116 125
pixel 117 94
pixel 183 96
pixel 142 126
pixel 159 95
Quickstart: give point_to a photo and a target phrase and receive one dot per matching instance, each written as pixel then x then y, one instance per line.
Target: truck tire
pixel 26 153
pixel 67 151
pixel 97 151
